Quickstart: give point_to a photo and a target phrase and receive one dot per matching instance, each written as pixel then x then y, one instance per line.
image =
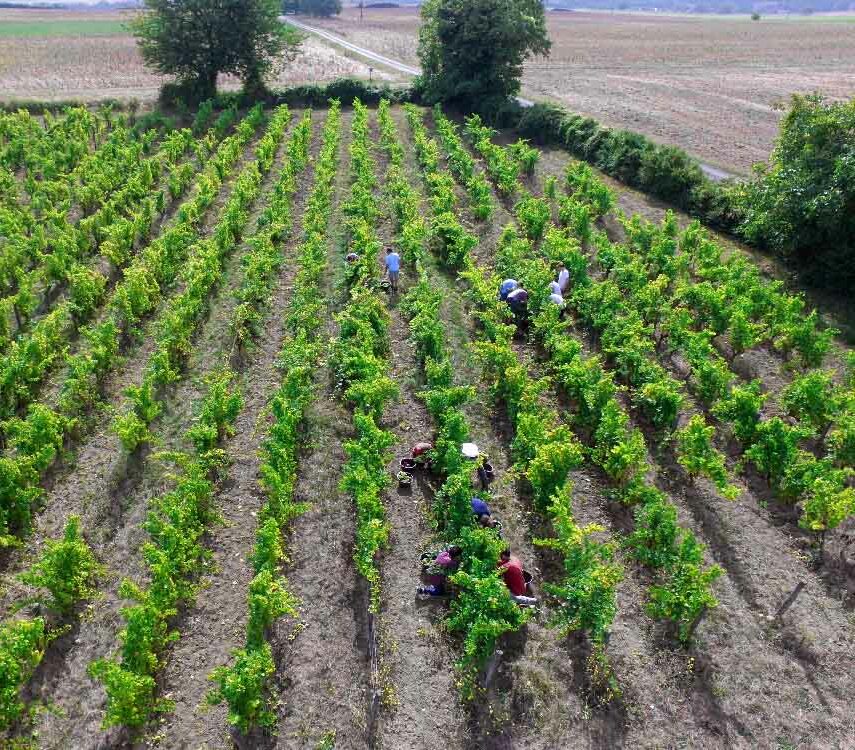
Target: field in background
pixel 708 84
pixel 51 55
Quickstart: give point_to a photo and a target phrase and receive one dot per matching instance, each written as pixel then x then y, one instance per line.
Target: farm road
pixel 714 173
pixel 374 56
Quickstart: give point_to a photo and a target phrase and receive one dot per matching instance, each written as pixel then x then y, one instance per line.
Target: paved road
pixel 361 51
pixel 715 174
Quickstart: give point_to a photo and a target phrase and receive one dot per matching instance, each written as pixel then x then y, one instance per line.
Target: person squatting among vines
pixel 484 517
pixel 514 578
pixel 436 571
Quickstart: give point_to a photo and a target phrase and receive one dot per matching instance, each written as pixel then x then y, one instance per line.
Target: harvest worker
pixel 438 570
pixel 563 278
pixel 393 267
pixel 557 299
pixel 488 522
pixel 512 573
pixel 517 301
pixel 483 515
pixel 421 453
pixel 351 258
pixel 555 288
pixel 479 507
pixel 507 286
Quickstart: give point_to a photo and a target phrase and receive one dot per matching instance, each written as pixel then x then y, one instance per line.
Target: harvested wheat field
pixel 213 525
pixel 86 56
pixel 707 84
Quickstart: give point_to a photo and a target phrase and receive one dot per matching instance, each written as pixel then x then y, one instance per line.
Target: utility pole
pixel 361 4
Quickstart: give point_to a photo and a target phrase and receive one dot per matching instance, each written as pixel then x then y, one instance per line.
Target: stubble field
pixel 58 55
pixel 708 84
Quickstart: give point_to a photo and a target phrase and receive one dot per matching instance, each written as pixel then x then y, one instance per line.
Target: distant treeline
pixel 710 6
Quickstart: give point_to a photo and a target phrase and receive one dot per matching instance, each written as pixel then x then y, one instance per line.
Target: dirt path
pixel 323 669
pixel 111 493
pixel 216 624
pixel 426 713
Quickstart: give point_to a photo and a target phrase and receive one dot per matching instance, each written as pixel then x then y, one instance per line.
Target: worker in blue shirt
pixel 508 285
pixel 393 267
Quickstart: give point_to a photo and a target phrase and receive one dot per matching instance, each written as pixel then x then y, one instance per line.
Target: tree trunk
pixel 253 85
pixel 205 86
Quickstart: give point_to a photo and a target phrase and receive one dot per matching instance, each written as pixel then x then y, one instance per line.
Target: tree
pixel 323 8
pixel 196 40
pixel 472 51
pixel 802 204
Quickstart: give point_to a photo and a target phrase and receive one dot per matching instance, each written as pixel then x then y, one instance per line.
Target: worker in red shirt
pixel 512 573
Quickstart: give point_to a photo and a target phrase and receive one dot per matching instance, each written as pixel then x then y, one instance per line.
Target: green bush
pixel 802 204
pixel 67 569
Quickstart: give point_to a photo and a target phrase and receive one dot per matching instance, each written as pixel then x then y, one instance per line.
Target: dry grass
pixel 708 84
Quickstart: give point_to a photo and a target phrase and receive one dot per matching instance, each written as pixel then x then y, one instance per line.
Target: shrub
pixel 66 569
pixel 802 204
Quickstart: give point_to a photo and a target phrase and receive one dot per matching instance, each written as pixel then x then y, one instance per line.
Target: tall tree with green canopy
pixel 196 40
pixel 802 204
pixel 472 51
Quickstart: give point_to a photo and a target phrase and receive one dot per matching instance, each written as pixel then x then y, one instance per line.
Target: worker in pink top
pixel 438 570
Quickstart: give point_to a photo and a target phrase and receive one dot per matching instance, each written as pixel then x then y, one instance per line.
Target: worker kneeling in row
pixel 516 579
pixel 437 570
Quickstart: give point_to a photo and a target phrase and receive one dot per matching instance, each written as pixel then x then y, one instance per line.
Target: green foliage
pixel 813 399
pixel 533 214
pixel 320 8
pixel 774 448
pixel 553 459
pixel 802 474
pixel 741 408
pixel 472 51
pixel 244 684
pixel 483 610
pixel 621 452
pixel 587 593
pixel 841 440
pixel 22 646
pixel 131 696
pixel 67 569
pixel 712 378
pixel 660 401
pixel 697 456
pixel 220 407
pixel 827 506
pixel 243 687
pixel 685 596
pixel 802 334
pixel 525 155
pixel 654 540
pixel 39 437
pixel 588 189
pixel 462 166
pixel 268 601
pixel 800 205
pixel 195 40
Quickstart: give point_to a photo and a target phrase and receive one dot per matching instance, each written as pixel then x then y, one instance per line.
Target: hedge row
pixel 666 172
